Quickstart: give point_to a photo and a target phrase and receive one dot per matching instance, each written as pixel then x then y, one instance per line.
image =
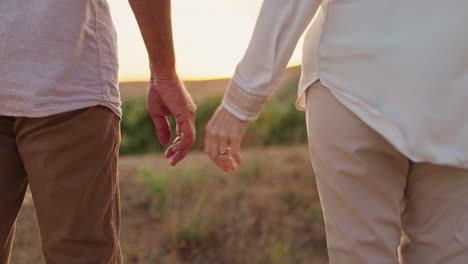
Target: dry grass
pixel 268 212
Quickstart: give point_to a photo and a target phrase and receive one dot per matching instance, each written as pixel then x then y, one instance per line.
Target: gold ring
pixel 223 153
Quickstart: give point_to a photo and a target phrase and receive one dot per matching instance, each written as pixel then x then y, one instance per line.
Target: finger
pixel 177 129
pixel 229 164
pixel 226 163
pixel 235 150
pixel 187 136
pixel 163 129
pixel 223 155
pixel 234 164
pixel 223 146
pixel 219 163
pixel 207 141
pixel 213 146
pixel 170 151
pixel 177 157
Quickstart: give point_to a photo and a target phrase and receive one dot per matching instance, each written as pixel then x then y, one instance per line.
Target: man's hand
pixel 168 96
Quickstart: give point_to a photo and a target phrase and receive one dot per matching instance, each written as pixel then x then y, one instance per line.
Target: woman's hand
pixel 224 134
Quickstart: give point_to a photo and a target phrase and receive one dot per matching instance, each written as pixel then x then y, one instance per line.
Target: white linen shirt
pixel 400 66
pixel 56 56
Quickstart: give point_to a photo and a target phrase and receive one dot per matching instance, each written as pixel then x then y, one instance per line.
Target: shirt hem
pixel 389 131
pixel 38 113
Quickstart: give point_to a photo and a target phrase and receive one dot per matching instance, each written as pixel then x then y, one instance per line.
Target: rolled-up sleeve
pixel 279 26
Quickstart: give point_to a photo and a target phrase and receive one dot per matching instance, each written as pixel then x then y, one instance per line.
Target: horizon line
pixel 185 79
pixel 189 78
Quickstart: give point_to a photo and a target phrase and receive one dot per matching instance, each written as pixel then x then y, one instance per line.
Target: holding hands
pixel 224 132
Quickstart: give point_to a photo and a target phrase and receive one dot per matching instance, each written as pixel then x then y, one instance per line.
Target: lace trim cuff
pixel 243 104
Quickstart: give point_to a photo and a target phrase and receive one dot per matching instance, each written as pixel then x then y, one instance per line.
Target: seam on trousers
pixel 462 234
pixel 115 121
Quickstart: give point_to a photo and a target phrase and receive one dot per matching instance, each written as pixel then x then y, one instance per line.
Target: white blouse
pixel 401 66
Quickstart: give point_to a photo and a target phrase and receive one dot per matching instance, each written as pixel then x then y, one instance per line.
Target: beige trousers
pixel 379 207
pixel 69 161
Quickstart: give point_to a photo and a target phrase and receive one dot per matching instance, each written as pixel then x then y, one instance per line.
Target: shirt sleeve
pixel 279 26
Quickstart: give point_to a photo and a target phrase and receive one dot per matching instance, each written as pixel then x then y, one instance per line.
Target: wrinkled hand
pixel 224 134
pixel 168 96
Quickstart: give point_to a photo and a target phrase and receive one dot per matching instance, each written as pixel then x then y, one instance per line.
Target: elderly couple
pixel 384 86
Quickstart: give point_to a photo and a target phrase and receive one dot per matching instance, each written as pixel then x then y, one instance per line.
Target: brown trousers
pixel 376 201
pixel 69 161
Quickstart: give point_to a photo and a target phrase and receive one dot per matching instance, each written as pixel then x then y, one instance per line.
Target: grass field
pixel 266 213
pixel 279 124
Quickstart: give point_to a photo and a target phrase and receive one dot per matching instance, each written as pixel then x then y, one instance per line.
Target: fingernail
pixel 173 157
pixel 176 146
pixel 168 151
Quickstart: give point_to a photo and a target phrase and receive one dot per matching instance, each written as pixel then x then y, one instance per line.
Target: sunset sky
pixel 210 37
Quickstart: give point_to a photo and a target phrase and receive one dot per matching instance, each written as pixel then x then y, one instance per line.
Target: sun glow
pixel 210 37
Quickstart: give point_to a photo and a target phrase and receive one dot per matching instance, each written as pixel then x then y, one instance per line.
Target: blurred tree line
pixel 279 123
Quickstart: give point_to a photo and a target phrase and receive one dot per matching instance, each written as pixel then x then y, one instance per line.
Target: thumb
pixel 162 129
pixel 187 136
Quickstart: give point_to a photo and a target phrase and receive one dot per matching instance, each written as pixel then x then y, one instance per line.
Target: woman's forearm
pixel 279 27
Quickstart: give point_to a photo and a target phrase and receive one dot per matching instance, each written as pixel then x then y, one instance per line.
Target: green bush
pixel 279 123
pixel 138 134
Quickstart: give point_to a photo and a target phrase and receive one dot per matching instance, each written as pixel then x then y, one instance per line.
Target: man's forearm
pixel 154 20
